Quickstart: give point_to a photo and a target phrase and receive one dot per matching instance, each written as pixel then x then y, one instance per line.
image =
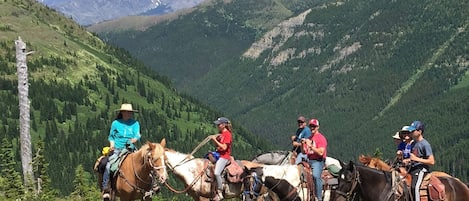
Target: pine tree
pixel 40 167
pixel 13 186
pixel 84 190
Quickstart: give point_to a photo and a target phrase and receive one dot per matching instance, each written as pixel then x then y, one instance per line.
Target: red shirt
pixel 225 138
pixel 320 141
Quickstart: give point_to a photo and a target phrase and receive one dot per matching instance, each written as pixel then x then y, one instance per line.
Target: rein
pixel 350 195
pixel 197 178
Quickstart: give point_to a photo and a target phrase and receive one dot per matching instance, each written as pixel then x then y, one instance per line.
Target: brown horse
pixel 455 189
pixel 138 173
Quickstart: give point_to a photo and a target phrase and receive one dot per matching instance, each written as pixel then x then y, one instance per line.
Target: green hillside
pixel 364 68
pixel 76 82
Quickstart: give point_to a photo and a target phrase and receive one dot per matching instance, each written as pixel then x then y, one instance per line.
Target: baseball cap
pixel 416 125
pixel 221 120
pixel 405 129
pixel 301 118
pixel 313 122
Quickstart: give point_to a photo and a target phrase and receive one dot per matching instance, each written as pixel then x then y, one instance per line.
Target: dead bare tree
pixel 23 90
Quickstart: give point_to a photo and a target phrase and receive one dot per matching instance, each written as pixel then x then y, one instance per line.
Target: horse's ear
pixel 342 164
pixel 163 142
pixel 151 146
pixel 350 165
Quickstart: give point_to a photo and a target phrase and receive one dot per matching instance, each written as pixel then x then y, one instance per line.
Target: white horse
pixel 193 172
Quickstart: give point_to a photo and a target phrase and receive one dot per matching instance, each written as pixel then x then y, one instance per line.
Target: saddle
pixel 307 178
pixel 432 188
pixel 231 173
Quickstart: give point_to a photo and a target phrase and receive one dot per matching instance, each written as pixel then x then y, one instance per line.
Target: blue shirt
pixel 122 131
pixel 302 133
pixel 405 148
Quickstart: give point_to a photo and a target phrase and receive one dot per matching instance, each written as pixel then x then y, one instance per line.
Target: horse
pixel 458 190
pixel 281 187
pixel 273 158
pixel 367 183
pixel 139 172
pixel 286 181
pixel 196 175
pixel 375 185
pixel 379 164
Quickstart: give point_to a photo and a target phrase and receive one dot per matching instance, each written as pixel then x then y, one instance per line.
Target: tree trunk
pixel 23 88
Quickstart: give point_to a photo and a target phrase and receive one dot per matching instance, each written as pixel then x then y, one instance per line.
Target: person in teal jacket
pixel 124 132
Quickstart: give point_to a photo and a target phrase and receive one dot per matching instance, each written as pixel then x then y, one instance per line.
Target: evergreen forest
pixel 76 84
pixel 363 68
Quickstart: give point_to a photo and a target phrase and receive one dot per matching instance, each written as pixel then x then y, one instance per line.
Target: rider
pixel 317 156
pixel 223 142
pixel 123 133
pixel 405 146
pixel 301 133
pixel 421 157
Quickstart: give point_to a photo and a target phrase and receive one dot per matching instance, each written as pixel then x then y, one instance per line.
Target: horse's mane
pixel 280 152
pixel 374 162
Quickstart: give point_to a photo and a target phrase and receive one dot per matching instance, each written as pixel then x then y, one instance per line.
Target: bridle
pixel 148 159
pixel 155 169
pixel 253 182
pixel 350 195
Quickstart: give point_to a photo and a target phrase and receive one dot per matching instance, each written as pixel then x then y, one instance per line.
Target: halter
pixel 253 182
pixel 350 195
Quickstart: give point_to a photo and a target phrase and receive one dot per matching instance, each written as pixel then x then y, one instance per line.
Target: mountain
pixel 363 68
pixel 76 82
pixel 87 12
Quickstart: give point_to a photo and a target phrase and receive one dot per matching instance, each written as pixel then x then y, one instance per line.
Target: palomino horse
pixel 194 172
pixel 455 189
pixel 139 171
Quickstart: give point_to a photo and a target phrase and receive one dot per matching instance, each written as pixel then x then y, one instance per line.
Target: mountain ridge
pixel 357 66
pixel 77 81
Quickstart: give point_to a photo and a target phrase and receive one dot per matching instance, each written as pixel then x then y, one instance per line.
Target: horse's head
pixel 365 160
pixel 349 179
pixel 373 162
pixel 252 184
pixel 156 159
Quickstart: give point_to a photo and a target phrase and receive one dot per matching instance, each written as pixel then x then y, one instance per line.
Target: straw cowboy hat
pixel 126 107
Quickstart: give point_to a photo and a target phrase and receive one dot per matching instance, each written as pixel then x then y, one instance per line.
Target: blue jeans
pixel 317 166
pixel 300 157
pixel 106 175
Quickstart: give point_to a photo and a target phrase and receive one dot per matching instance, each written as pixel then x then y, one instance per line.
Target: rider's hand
pixel 293 138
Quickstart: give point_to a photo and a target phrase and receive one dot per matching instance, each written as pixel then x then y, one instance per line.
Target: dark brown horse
pixel 453 186
pixel 357 181
pixel 375 185
pixel 139 173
